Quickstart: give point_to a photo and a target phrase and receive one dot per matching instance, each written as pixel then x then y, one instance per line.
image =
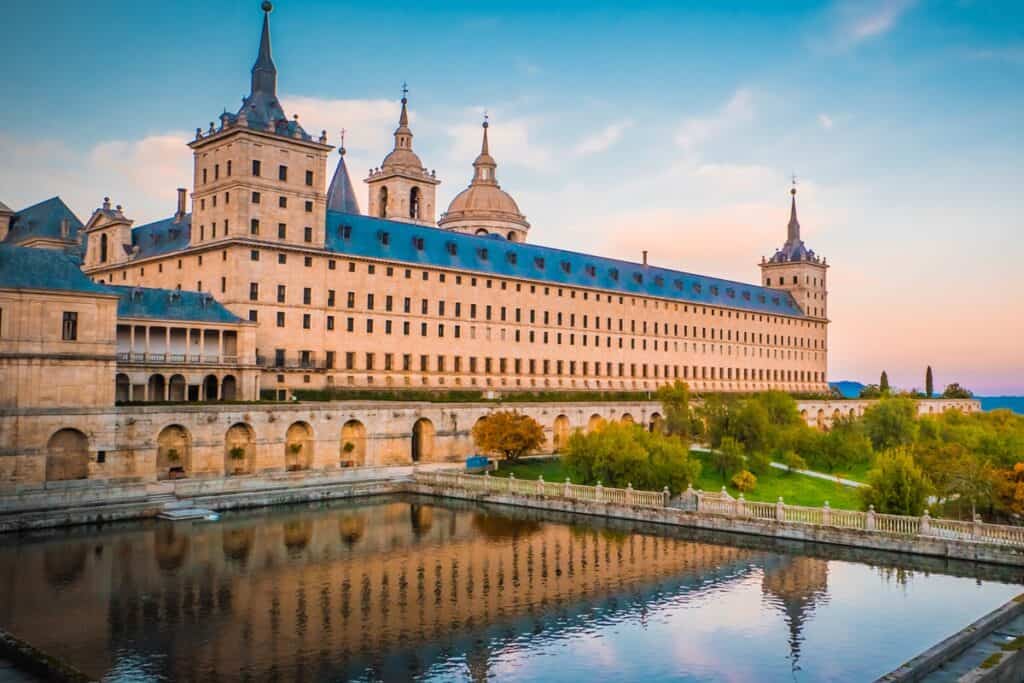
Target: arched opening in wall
pixel 421 518
pixel 422 440
pixel 656 423
pixel 298 447
pixel 297 535
pixel 104 248
pixel 229 388
pixel 122 388
pixel 63 566
pixel 351 529
pixel 512 236
pixel 837 415
pixel 382 202
pixel 210 388
pixel 853 413
pixel 239 449
pixel 626 419
pixel 480 231
pixel 595 423
pixel 170 547
pixel 155 388
pixel 67 456
pixel 803 415
pixel 353 444
pixel 414 203
pixel 820 420
pixel 237 543
pixel 560 434
pixel 176 388
pixel 173 453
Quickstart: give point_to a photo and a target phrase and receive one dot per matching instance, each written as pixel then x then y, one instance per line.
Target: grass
pixel 796 489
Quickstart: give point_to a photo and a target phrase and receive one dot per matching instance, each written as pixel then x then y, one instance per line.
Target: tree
pixel 744 481
pixel 509 433
pixel 883 383
pixel 929 385
pixel 727 458
pixel 780 407
pixel 793 462
pixel 954 390
pixel 675 402
pixel 870 391
pixel 622 454
pixel 843 446
pixel 750 425
pixel 973 480
pixel 891 422
pixel 897 485
pixel 716 412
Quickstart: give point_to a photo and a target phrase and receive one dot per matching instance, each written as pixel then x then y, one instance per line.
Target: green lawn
pixel 795 489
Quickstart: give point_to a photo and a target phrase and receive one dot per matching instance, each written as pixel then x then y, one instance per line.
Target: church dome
pixel 484 208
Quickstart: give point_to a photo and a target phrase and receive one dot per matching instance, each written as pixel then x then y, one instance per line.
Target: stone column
pixel 926 524
pixel 220 346
pixel 147 342
pixel 826 514
pixel 629 493
pixel 869 523
pixel 780 510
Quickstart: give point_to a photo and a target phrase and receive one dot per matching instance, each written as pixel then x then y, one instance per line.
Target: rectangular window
pixel 350 360
pixel 254 255
pixel 309 207
pixel 254 291
pixel 253 315
pixel 330 322
pixel 254 226
pixel 407 362
pixel 282 173
pixel 278 358
pixel 307 295
pixel 256 167
pixel 351 299
pixel 305 321
pixel 329 361
pixel 282 202
pixel 69 326
pixel 282 231
pixel 280 294
pixel 307 234
pixel 280 319
pixel 255 197
pixel 330 297
pixel 309 177
pixel 282 258
pixel 369 361
pixel 369 302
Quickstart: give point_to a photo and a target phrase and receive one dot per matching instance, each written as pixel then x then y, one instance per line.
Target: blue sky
pixel 672 127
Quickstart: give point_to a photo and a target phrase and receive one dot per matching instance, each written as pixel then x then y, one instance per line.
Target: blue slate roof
pixel 35 268
pixel 365 236
pixel 170 304
pixel 340 195
pixel 43 220
pixel 163 236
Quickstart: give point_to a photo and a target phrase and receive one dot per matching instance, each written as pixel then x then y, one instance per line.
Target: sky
pixel 674 127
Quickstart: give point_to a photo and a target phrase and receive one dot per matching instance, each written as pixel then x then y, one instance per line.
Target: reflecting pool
pixel 415 588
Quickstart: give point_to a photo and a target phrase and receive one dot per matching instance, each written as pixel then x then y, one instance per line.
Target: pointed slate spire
pixel 484 165
pixel 793 233
pixel 264 73
pixel 340 195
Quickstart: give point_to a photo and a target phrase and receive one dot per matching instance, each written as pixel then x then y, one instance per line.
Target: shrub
pixel 237 453
pixel 508 433
pixel 348 447
pixel 744 481
pixel 758 462
pixel 896 485
pixel 793 461
pixel 727 458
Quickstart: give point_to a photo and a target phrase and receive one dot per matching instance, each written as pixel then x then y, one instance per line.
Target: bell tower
pixel 798 270
pixel 402 189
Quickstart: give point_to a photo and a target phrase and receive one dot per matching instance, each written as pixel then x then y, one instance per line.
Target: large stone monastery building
pixel 277 281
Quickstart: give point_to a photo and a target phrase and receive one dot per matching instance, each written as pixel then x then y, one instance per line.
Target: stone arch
pixel 229 388
pixel 155 387
pixel 237 543
pixel 170 547
pixel 421 518
pixel 239 449
pixel 595 423
pixel 382 202
pixel 351 528
pixel 298 447
pixel 414 203
pixel 353 443
pixel 820 418
pixel 104 247
pixel 422 440
pixel 837 415
pixel 297 534
pixel 173 452
pixel 480 231
pixel 177 388
pixel 853 413
pixel 512 236
pixel 210 388
pixel 656 423
pixel 626 419
pixel 67 456
pixel 122 388
pixel 803 415
pixel 560 434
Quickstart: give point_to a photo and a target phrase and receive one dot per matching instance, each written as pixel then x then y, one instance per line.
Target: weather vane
pixel 405 89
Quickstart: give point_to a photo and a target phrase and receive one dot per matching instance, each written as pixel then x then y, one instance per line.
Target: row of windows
pixel 255 198
pixel 488 365
pixel 257 171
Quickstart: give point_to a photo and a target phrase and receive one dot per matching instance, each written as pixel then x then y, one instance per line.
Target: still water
pixel 415 588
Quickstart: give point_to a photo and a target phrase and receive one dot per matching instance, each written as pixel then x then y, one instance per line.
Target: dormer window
pixel 746 296
pixel 385 238
pixel 539 262
pixel 714 290
pixel 566 267
pixel 638 278
pixel 511 257
pixel 761 298
pixel 678 284
pixel 345 231
pixel 659 281
pixel 417 242
pixel 482 253
pixel 697 288
pixel 731 293
pixel 614 274
pixel 591 271
pixel 451 248
pixel 775 300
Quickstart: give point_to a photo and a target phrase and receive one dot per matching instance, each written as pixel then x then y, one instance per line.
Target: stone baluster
pixel 540 485
pixel 869 523
pixel 926 524
pixel 511 480
pixel 665 495
pixel 826 514
pixel 629 493
pixel 780 510
pixel 741 506
pixel 600 492
pixel 976 527
pixel 568 488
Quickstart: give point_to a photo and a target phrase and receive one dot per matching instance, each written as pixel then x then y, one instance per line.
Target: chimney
pixel 180 213
pixel 645 257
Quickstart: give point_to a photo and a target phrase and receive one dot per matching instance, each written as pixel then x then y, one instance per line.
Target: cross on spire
pixel 341 144
pixel 405 90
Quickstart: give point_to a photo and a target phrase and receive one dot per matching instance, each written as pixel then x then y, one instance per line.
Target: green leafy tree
pixel 793 461
pixel 929 384
pixel 508 433
pixel 758 462
pixel 897 485
pixel 870 391
pixel 716 413
pixel 954 390
pixel 750 425
pixel 973 479
pixel 621 454
pixel 844 446
pixel 883 383
pixel 727 459
pixel 891 422
pixel 675 403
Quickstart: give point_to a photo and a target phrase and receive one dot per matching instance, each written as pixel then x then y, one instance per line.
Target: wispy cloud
pixel 825 121
pixel 852 22
pixel 603 139
pixel 694 132
pixel 512 140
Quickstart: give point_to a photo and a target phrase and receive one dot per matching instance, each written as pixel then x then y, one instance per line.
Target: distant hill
pixel 847 388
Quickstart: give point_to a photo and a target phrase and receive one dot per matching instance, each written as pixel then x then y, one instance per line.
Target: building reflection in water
pixel 383 590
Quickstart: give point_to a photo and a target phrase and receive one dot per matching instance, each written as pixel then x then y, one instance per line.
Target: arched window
pixel 414 203
pixel 481 231
pixel 383 201
pixel 103 248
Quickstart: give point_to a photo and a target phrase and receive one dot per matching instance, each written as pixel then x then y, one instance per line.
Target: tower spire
pixel 793 232
pixel 403 119
pixel 264 73
pixel 484 165
pixel 483 147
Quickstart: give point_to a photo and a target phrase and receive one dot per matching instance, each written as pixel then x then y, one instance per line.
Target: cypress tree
pixel 883 384
pixel 929 386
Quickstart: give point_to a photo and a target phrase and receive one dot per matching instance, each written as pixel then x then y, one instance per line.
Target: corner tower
pixel 484 208
pixel 798 270
pixel 402 189
pixel 259 174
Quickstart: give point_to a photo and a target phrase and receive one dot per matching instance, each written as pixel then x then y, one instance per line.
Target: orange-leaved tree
pixel 508 433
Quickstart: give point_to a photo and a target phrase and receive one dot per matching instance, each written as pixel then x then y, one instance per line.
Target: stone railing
pixel 549 489
pixel 900 525
pixel 722 504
